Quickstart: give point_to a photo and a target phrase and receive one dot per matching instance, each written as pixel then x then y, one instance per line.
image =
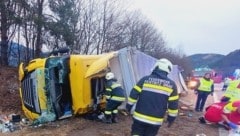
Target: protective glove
pixel 225 99
pixel 211 93
pixel 170 120
pixel 233 125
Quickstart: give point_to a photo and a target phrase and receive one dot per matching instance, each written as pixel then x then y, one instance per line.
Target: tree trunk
pixel 4 37
pixel 39 28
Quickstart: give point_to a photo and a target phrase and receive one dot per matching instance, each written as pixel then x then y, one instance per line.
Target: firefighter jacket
pixel 154 95
pixel 233 90
pixel 206 85
pixel 114 91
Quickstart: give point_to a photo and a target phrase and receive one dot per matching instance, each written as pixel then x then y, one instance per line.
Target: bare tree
pixel 39 23
pixel 32 26
pixel 88 27
pixel 28 31
pixel 7 14
pixel 136 31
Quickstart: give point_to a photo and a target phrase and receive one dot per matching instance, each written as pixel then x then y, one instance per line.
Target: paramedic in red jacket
pixel 224 113
pixel 231 114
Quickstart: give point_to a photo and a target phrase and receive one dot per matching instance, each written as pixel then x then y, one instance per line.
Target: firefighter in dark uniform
pixel 115 96
pixel 154 95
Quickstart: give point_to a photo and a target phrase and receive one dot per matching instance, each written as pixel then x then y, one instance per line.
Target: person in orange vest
pixel 204 88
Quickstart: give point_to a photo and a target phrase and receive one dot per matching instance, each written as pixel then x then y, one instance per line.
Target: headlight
pixel 192 84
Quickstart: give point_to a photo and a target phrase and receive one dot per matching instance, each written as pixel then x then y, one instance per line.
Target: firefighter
pixel 204 88
pixel 154 95
pixel 115 96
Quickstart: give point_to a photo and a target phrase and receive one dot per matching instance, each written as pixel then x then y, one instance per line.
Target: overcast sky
pixel 196 26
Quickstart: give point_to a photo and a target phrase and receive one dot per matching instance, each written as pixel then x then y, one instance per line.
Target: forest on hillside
pixel 84 26
pixel 224 64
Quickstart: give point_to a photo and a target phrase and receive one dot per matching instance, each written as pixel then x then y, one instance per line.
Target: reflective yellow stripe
pixel 156 91
pixel 172 111
pixel 173 114
pixel 131 100
pixel 173 98
pixel 162 88
pixel 116 98
pixel 115 111
pixel 137 88
pixel 108 97
pixel 108 89
pixel 115 86
pixel 150 118
pixel 108 112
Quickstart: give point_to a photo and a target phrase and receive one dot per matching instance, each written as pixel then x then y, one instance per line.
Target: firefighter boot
pixel 202 120
pixel 107 119
pixel 114 118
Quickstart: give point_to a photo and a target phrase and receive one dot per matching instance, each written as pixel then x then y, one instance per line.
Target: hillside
pixel 204 60
pixel 228 63
pixel 225 64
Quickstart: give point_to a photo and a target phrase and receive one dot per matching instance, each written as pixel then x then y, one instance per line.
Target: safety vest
pixel 228 108
pixel 233 90
pixel 205 85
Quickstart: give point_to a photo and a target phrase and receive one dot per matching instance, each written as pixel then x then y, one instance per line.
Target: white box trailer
pixel 130 65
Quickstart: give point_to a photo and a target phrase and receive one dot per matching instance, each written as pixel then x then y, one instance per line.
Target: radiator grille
pixel 29 92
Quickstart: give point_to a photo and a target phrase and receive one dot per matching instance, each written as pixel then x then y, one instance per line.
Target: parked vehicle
pixel 198 73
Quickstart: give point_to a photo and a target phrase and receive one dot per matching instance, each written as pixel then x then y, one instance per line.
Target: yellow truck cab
pixel 73 84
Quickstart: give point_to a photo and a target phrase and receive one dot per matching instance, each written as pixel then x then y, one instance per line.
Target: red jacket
pixel 214 112
pixel 234 117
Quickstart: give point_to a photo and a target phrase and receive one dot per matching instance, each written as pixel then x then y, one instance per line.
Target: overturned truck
pixel 54 87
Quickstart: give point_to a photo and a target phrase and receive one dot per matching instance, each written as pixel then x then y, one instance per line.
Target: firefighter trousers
pixel 143 129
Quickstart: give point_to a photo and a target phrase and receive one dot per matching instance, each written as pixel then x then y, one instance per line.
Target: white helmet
pixel 164 65
pixel 109 76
